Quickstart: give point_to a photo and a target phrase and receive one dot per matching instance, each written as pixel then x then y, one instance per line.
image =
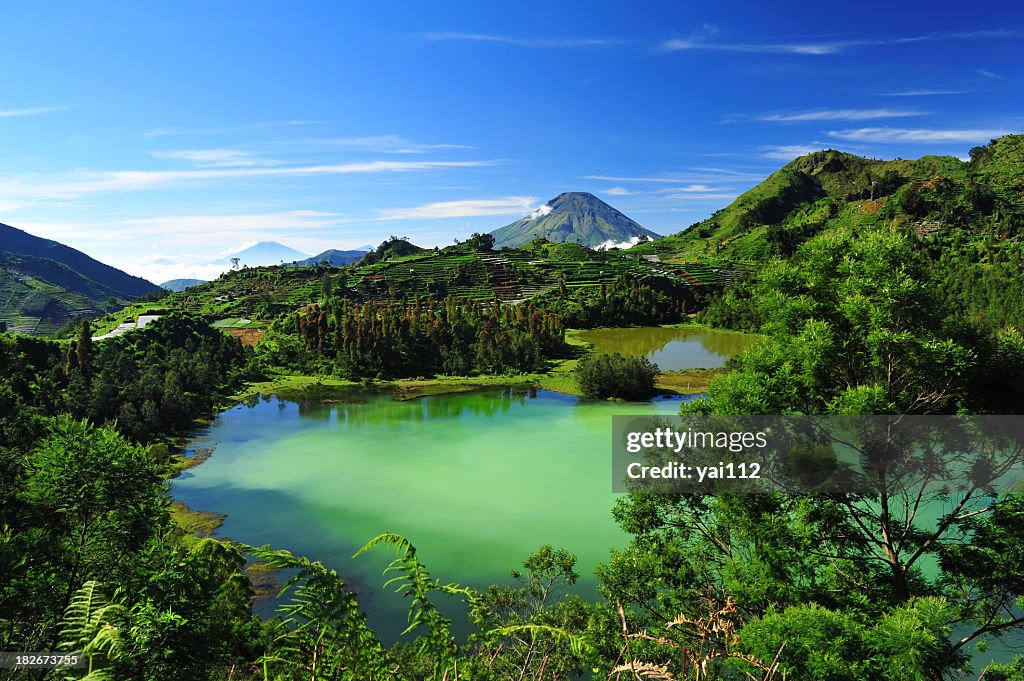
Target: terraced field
pixel 250 297
pixel 15 288
pixel 510 276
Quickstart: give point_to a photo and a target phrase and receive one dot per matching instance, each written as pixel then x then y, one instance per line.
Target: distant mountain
pixel 178 285
pixel 265 253
pixel 43 283
pixel 574 216
pixel 335 257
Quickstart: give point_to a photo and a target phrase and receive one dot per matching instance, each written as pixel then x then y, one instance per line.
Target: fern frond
pixel 577 644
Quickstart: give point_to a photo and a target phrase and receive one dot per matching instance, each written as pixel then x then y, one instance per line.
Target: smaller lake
pixel 672 348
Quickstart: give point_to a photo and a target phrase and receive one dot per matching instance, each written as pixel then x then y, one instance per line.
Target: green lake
pixel 477 481
pixel 672 348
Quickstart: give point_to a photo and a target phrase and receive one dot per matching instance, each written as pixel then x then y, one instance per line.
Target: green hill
pixel 578 217
pixel 932 195
pixel 398 269
pixel 43 283
pixel 967 216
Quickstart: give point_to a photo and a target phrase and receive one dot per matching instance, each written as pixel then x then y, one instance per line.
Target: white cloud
pixel 382 144
pixel 828 115
pixel 540 212
pixel 88 182
pixel 699 175
pixel 701 40
pixel 991 74
pixel 215 158
pixel 691 196
pixel 159 273
pixel 605 245
pixel 787 152
pixel 32 111
pixel 619 178
pixel 522 42
pixel 917 135
pixel 142 246
pixel 191 231
pixel 617 191
pixel 508 205
pixel 921 93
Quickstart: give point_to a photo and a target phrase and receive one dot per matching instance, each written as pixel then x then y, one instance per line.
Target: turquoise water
pixel 477 481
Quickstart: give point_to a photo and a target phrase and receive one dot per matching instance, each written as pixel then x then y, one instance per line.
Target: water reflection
pixel 672 349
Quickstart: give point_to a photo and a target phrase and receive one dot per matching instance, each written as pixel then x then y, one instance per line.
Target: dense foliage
pixel 847 586
pixel 456 337
pixel 613 375
pixel 624 302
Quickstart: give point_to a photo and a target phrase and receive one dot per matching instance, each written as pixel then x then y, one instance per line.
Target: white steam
pixel 540 212
pixel 633 241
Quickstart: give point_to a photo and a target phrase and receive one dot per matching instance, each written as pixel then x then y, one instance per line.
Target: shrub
pixel 604 376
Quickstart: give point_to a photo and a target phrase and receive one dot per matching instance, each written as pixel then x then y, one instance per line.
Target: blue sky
pixel 157 136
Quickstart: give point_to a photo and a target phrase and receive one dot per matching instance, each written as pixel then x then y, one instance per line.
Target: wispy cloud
pixel 787 152
pixel 921 93
pixel 693 188
pixel 698 175
pixel 32 111
pixel 702 39
pixel 88 182
pixel 382 144
pixel 917 135
pixel 215 158
pixel 992 75
pixel 522 41
pixel 506 205
pixel 620 178
pixel 689 196
pixel 816 115
pixel 195 228
pixel 688 191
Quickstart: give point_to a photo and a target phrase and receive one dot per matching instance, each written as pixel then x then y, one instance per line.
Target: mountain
pixel 265 253
pixel 43 283
pixel 178 285
pixel 335 257
pixel 965 218
pixel 573 216
pixel 941 198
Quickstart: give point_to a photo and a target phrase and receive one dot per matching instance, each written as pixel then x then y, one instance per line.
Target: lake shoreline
pixel 558 377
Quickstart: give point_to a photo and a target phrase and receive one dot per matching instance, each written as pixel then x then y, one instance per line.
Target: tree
pixel 234 262
pixel 83 348
pixel 604 376
pixel 854 328
pixel 481 242
pixel 524 626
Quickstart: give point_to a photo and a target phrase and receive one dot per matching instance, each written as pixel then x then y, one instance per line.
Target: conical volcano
pixel 573 216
